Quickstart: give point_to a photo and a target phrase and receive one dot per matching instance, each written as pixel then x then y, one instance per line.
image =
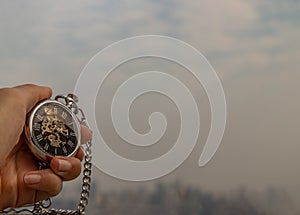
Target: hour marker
pixel 70 143
pixel 64 149
pixel 36 126
pixel 51 110
pixel 55 151
pixel 64 115
pixel 72 134
pixel 39 117
pixel 39 137
pixel 46 146
pixel 47 110
pixel 55 110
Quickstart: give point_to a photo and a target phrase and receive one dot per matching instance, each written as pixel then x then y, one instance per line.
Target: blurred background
pixel 254 48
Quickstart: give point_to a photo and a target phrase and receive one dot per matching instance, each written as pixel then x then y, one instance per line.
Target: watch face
pixel 54 129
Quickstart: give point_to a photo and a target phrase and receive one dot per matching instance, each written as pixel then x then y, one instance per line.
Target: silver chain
pixel 43 207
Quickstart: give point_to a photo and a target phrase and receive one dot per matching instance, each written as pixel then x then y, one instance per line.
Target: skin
pixel 20 180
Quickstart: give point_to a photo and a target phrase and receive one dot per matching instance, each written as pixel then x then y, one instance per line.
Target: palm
pixel 19 162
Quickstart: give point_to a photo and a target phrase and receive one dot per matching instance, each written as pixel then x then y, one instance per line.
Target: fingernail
pixel 64 165
pixel 32 178
pixel 86 134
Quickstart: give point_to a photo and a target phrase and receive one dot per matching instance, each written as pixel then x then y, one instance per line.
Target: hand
pixel 20 180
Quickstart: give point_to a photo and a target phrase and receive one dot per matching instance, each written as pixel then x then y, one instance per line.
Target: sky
pixel 252 45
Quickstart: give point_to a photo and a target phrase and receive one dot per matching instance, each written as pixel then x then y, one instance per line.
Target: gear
pixel 55 131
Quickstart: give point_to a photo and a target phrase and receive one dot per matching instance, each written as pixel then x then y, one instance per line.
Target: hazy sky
pixel 252 45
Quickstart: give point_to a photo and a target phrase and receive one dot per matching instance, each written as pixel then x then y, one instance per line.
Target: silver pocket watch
pixel 53 128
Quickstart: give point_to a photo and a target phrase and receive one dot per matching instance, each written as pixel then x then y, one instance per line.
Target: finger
pixel 44 181
pixel 80 154
pixel 86 134
pixel 68 168
pixel 32 94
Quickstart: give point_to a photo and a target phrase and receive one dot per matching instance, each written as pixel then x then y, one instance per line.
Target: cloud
pixel 60 37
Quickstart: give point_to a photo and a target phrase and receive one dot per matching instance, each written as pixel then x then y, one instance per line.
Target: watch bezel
pixel 34 146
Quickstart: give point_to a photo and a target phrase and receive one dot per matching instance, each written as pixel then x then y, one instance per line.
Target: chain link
pixel 42 207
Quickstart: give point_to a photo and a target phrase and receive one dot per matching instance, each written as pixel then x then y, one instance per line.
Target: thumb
pixel 32 94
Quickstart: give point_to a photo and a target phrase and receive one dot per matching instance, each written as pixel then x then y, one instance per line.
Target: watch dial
pixel 54 130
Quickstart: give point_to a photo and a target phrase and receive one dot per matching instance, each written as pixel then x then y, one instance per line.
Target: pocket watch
pixel 53 128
